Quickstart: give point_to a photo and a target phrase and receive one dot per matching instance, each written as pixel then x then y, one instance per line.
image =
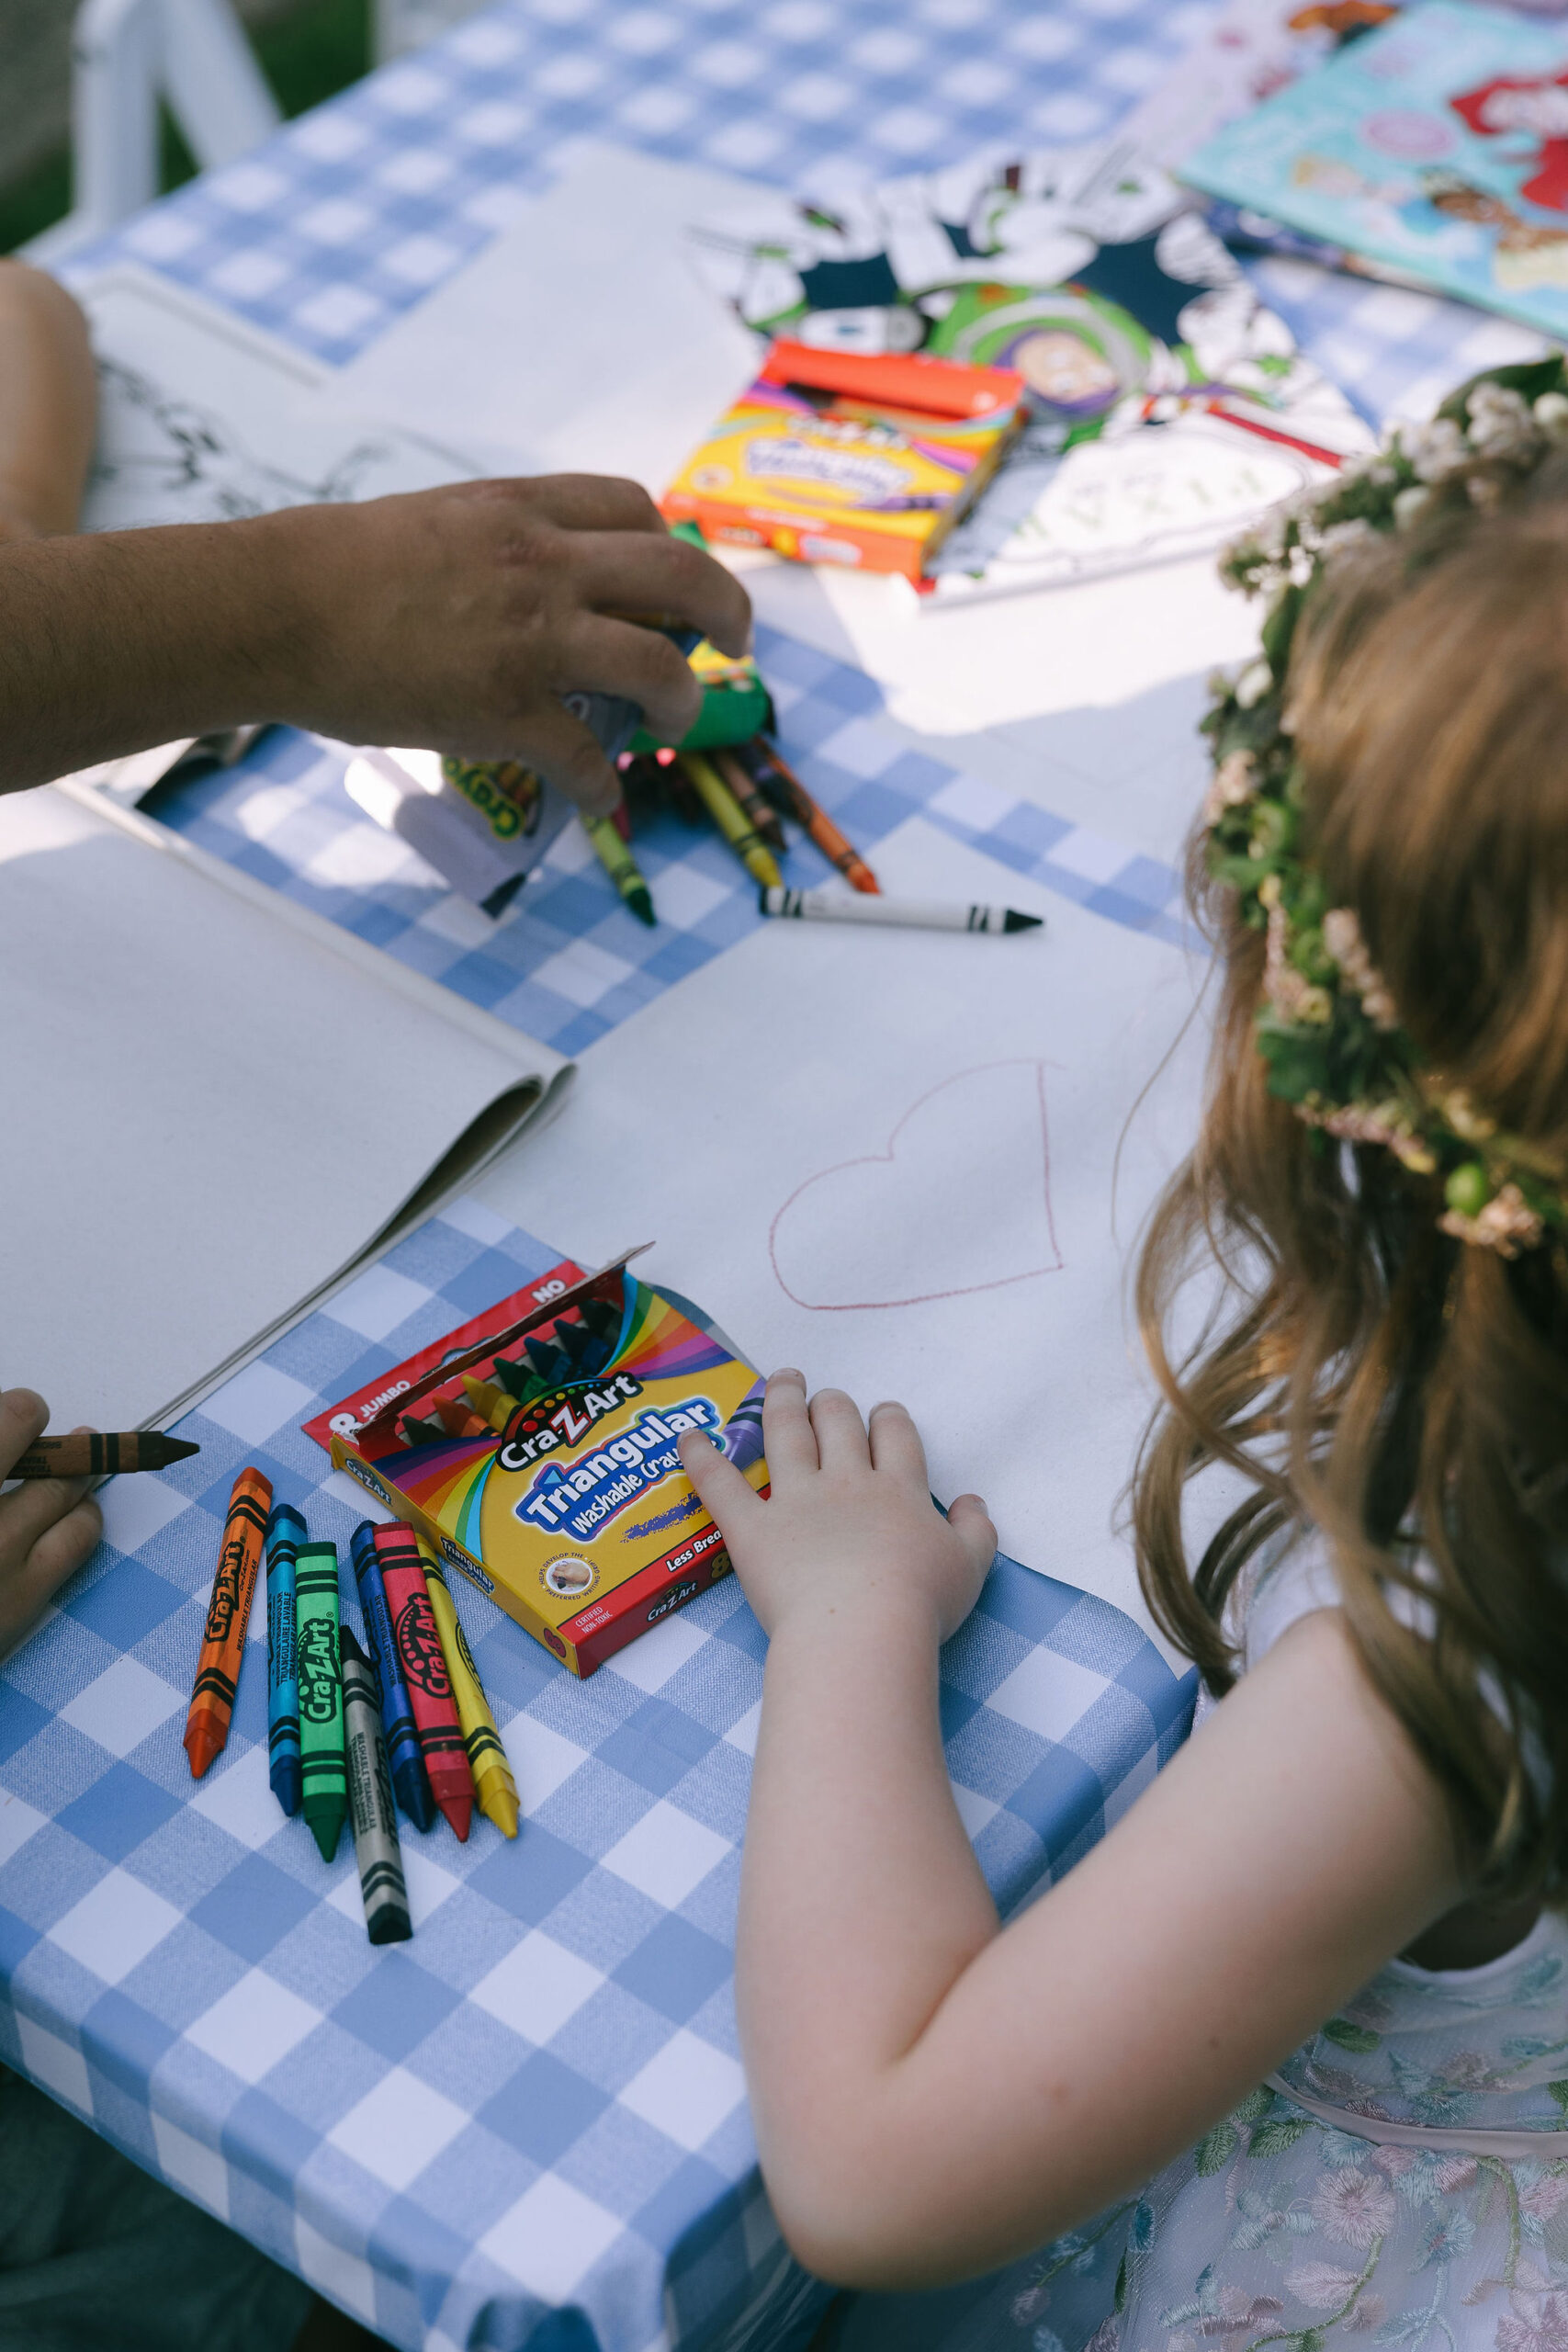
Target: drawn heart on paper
pixel 960 1200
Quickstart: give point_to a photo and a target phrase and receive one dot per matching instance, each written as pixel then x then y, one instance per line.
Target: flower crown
pixel 1328 1029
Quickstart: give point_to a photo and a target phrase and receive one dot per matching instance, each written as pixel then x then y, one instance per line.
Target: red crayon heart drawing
pixel 960 1200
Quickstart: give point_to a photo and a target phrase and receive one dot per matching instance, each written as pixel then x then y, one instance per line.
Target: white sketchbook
pixel 218 1105
pixel 915 1164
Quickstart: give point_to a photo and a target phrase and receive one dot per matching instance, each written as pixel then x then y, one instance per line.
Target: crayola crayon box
pixel 849 458
pixel 534 1448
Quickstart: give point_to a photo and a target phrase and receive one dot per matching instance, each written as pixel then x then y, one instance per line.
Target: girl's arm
pixel 934 2095
pixel 48 404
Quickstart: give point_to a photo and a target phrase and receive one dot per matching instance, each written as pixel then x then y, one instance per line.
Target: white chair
pixel 403 26
pixel 127 55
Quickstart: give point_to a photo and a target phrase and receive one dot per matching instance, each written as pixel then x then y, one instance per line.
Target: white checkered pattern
pixel 537 2102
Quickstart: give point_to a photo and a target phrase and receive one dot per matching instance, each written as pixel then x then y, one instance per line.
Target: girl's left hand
pixel 849 1518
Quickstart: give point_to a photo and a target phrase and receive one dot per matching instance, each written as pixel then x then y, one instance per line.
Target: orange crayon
pixel 423 1662
pixel 228 1614
pixel 785 790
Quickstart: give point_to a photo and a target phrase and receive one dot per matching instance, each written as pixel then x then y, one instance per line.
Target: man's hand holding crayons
pixel 47 1527
pixel 452 619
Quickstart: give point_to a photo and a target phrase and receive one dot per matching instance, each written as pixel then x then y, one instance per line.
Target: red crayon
pixel 423 1662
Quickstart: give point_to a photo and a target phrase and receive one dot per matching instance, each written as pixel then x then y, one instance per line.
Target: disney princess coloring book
pixel 1438 144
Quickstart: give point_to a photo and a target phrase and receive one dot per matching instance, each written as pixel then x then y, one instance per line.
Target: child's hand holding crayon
pixel 47 1527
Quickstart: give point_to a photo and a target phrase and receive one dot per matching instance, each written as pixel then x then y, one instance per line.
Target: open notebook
pixel 216 1107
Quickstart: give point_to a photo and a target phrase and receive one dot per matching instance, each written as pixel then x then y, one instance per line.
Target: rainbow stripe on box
pixel 446 1480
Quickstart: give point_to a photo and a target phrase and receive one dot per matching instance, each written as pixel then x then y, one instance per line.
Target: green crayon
pixel 621 866
pixel 323 1768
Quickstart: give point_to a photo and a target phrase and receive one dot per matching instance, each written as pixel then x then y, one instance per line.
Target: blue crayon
pixel 405 1760
pixel 285 1531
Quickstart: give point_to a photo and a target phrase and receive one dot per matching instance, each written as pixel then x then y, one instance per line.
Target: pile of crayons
pixel 579 1346
pixel 351 1736
pixel 746 792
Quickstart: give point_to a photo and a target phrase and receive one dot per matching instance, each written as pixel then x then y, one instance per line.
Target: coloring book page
pixel 1167 406
pixel 914 1164
pixel 202 418
pixel 1438 144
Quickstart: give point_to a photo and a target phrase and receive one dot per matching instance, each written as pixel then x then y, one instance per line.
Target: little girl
pixel 1287 2055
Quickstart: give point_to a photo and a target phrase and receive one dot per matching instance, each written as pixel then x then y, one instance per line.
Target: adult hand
pixel 457 620
pixel 850 1517
pixel 47 1526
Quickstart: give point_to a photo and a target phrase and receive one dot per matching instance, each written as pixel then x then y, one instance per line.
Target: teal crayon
pixel 405 1757
pixel 285 1531
pixel 323 1769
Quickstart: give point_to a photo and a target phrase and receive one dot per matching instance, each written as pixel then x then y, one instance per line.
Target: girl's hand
pixel 47 1526
pixel 850 1518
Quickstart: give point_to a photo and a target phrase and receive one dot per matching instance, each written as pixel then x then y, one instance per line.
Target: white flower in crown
pixel 1342 938
pixel 1507 1223
pixel 1233 782
pixel 1291 995
pixel 1437 451
pixel 1501 425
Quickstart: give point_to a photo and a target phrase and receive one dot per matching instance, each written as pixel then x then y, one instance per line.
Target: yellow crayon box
pixel 534 1449
pixel 852 459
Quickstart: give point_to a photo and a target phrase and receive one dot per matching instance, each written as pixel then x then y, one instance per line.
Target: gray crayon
pixel 376 1848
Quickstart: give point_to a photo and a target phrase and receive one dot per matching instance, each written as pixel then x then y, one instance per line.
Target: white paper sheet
pixel 202 418
pixel 213 1101
pixel 891 1158
pixel 582 340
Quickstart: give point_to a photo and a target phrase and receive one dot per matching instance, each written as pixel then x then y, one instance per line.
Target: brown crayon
pixel 228 1614
pixel 752 804
pixel 423 1662
pixel 96 1454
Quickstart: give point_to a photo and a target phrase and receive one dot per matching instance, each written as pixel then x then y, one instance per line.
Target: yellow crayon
pixel 732 822
pixel 493 1785
pixel 491 1404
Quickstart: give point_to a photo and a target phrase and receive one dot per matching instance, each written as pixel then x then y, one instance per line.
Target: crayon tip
pixel 865 881
pixel 286 1786
pixel 392 1926
pixel 204 1739
pixel 175 1449
pixel 459 1811
pixel 1016 922
pixel 412 1792
pixel 641 905
pixel 501 1806
pixel 326 1828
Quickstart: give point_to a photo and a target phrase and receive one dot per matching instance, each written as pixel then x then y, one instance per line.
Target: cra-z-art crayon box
pixel 534 1448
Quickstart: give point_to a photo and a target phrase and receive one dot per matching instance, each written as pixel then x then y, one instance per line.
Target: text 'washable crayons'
pixel 424 1670
pixel 285 1531
pixel 495 1791
pixel 376 1848
pixel 96 1454
pixel 405 1758
pixel 323 1769
pixel 228 1614
pixel 912 914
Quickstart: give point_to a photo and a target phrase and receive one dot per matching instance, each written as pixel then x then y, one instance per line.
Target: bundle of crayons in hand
pixel 746 791
pixel 350 1735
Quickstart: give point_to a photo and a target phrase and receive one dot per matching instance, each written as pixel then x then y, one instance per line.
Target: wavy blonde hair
pixel 1367 1374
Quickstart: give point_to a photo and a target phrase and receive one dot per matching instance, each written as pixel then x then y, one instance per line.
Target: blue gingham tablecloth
pixel 568 961
pixel 350 216
pixel 528 2125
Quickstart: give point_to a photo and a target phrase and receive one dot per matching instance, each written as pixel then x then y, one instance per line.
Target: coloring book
pixel 1438 145
pixel 1167 406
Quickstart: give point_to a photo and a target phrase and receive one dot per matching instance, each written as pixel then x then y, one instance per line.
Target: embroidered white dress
pixel 1402 2180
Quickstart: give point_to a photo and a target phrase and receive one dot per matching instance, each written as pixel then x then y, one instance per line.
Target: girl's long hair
pixel 1403 1391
